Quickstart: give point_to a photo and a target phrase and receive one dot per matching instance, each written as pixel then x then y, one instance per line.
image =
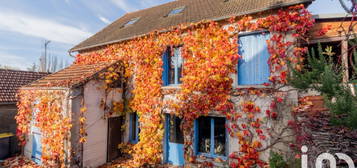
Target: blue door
pixel 253 68
pixel 36 147
pixel 174 148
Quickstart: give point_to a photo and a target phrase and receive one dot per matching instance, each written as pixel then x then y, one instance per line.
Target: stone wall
pixel 264 103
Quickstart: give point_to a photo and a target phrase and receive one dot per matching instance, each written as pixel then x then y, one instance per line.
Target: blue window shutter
pixel 195 138
pixel 137 128
pixel 212 137
pixel 166 67
pixel 253 68
pixel 131 118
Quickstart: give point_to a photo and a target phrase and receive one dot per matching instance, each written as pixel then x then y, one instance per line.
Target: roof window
pixel 132 21
pixel 176 11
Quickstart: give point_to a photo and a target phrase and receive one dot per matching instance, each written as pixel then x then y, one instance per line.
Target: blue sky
pixel 26 24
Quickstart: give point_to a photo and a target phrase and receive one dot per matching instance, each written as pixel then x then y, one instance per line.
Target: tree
pixel 49 62
pixel 33 67
pixel 321 75
pixel 8 67
pixel 348 9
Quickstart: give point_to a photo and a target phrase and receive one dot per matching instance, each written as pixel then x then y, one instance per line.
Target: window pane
pixel 176 135
pixel 175 70
pixel 176 11
pixel 133 125
pixel 204 134
pixel 171 69
pixel 219 136
pixel 253 68
pixel 179 64
pixel 132 21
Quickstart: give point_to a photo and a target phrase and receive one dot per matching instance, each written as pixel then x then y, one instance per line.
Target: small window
pixel 134 128
pixel 176 134
pixel 132 21
pixel 211 136
pixel 253 68
pixel 173 64
pixel 176 11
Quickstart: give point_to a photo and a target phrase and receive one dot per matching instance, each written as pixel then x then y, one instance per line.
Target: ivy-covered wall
pixel 211 54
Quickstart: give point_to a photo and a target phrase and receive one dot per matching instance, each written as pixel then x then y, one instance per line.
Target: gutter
pixel 214 19
pixel 45 88
pixel 8 103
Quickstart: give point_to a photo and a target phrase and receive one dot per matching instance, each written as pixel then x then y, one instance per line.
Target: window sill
pixel 133 142
pixel 172 86
pixel 210 156
pixel 252 86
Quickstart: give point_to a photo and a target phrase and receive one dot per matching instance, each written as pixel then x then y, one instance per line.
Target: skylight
pixel 176 11
pixel 132 21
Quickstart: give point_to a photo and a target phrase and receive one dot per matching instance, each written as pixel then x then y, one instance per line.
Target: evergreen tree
pixel 321 75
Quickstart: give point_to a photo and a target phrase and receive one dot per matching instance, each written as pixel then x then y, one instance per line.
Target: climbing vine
pixel 210 53
pixel 45 110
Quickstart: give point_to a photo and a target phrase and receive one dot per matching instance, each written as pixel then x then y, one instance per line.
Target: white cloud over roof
pixel 42 28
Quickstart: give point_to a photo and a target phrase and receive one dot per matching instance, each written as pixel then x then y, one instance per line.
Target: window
pixel 176 134
pixel 134 128
pixel 132 21
pixel 253 68
pixel 210 136
pixel 176 11
pixel 173 63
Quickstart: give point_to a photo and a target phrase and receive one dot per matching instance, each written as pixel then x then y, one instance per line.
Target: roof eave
pixel 74 49
pixel 8 103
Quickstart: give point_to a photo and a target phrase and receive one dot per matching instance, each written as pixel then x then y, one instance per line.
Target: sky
pixel 26 24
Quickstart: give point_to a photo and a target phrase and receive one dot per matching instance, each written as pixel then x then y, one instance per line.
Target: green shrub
pixel 277 161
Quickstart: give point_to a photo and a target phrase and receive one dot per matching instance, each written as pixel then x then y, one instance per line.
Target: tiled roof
pixel 156 18
pixel 12 80
pixel 71 76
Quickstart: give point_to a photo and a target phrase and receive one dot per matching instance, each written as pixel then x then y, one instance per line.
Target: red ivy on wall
pixel 210 52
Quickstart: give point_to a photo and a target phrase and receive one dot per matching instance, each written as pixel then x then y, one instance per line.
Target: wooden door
pixel 114 137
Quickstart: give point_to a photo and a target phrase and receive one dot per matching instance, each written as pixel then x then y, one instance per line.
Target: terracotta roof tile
pixel 156 18
pixel 71 76
pixel 12 80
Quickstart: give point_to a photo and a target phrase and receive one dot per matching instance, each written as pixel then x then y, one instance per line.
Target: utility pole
pixel 43 59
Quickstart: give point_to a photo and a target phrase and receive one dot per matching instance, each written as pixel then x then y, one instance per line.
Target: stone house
pixel 11 81
pixel 84 88
pixel 212 140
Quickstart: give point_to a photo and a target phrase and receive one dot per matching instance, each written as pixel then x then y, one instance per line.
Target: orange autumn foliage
pixel 210 52
pixel 47 108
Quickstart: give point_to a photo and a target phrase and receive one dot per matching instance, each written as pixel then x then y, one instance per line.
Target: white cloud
pixel 104 20
pixel 125 5
pixel 42 28
pixel 14 61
